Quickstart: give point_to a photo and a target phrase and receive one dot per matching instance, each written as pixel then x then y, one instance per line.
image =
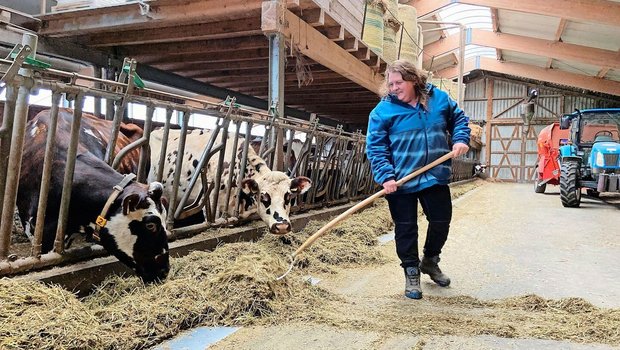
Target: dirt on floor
pixel 526 272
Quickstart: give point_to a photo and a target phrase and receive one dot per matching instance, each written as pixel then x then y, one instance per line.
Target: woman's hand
pixel 459 149
pixel 390 186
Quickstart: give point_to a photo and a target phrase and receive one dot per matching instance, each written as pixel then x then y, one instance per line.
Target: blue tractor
pixel 590 159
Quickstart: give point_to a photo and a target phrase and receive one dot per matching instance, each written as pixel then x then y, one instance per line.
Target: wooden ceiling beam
pixel 540 47
pixel 495 19
pixel 594 11
pixel 309 91
pixel 155 14
pixel 532 72
pixel 560 30
pixel 317 77
pixel 315 85
pixel 178 33
pixel 316 74
pixel 314 45
pixel 239 55
pixel 206 47
pixel 602 73
pixel 214 66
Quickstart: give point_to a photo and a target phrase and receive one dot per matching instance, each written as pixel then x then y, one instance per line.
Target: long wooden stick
pixel 366 202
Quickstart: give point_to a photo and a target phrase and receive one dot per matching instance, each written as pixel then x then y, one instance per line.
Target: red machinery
pixel 547 168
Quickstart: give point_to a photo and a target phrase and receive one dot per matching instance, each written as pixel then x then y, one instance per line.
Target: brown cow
pixel 134 232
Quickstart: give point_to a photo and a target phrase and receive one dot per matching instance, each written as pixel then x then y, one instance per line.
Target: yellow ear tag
pixel 101 221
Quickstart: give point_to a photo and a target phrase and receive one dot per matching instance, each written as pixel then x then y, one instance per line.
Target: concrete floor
pixel 505 241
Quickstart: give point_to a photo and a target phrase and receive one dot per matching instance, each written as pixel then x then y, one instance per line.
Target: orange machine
pixel 547 169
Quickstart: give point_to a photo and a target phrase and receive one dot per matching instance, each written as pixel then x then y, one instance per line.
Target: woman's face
pixel 402 89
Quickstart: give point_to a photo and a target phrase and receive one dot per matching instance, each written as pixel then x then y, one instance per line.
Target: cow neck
pixel 101 220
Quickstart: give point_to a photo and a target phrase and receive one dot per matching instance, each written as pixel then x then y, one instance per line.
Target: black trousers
pixel 437 207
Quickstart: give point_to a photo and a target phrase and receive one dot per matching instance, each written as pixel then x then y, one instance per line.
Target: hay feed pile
pixel 36 316
pixel 233 285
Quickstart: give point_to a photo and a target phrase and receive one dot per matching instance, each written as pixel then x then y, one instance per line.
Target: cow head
pixel 273 192
pixel 135 232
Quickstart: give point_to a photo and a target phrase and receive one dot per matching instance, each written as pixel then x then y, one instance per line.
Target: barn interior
pixel 307 69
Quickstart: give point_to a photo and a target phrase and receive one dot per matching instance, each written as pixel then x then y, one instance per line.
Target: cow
pixel 132 229
pixel 95 134
pixel 273 189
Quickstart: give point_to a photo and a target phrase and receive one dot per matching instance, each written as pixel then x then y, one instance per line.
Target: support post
pixel 276 84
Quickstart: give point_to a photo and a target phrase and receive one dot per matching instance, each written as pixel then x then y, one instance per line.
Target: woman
pixel 408 129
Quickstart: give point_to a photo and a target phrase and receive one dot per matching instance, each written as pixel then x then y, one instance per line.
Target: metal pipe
pixel 122 153
pixel 48 161
pixel 177 170
pixel 218 169
pixel 231 166
pixel 438 29
pixel 13 169
pixel 144 152
pixel 460 90
pixel 164 145
pixel 204 159
pixel 243 162
pixel 6 135
pixel 15 154
pixel 63 214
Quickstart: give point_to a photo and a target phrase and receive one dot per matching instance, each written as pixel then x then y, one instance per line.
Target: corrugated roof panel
pixel 519 57
pixel 528 24
pixel 592 34
pixel 574 67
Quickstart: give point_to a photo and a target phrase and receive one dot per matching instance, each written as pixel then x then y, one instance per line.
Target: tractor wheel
pixel 570 192
pixel 539 188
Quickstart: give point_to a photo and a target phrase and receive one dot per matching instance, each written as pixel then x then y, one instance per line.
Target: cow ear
pixel 130 203
pixel 155 191
pixel 300 184
pixel 164 202
pixel 249 187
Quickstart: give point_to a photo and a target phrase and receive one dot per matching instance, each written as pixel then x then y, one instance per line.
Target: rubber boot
pixel 412 283
pixel 429 266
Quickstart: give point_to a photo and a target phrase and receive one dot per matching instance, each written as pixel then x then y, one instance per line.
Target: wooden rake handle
pixel 366 202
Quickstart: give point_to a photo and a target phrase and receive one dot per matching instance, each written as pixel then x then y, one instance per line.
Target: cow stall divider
pixel 332 158
pixel 318 161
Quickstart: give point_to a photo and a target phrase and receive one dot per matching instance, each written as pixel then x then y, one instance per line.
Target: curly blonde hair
pixel 409 73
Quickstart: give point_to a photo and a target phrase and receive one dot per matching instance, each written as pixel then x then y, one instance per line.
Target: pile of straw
pixel 235 285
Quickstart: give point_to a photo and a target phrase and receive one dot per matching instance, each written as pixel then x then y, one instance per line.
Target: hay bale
pixel 407 37
pixel 373 25
pixel 449 86
pixel 391 26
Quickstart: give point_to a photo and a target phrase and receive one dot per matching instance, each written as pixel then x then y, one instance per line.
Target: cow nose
pixel 152 223
pixel 281 228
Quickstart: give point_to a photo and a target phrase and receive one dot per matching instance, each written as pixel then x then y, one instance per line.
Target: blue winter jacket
pixel 402 138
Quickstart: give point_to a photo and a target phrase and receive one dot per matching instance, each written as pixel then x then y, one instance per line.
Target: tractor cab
pixel 590 159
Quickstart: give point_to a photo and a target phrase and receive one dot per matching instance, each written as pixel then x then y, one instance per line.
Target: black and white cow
pixel 134 232
pixel 273 189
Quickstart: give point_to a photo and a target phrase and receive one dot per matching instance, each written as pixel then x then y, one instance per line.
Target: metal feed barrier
pixel 332 158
